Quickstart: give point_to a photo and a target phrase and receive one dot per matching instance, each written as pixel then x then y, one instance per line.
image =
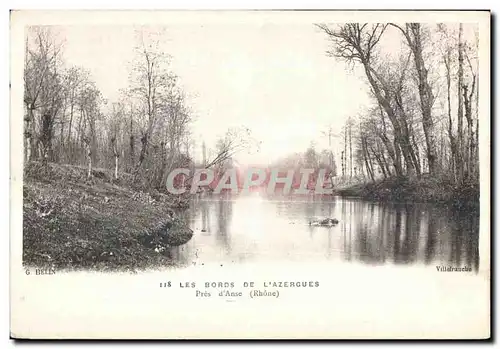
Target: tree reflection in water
pixel 224 212
pixel 241 229
pixel 410 233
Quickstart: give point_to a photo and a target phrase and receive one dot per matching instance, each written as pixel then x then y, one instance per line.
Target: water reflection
pixel 258 228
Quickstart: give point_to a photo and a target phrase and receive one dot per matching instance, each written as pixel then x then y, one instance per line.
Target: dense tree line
pixel 67 120
pixel 424 116
pixel 146 132
pixel 311 159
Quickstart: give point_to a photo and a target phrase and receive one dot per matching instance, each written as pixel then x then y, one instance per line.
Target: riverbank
pixel 72 222
pixel 424 189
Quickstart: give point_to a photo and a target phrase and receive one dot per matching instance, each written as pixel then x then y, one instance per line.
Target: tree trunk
pixel 28 135
pixel 459 160
pixel 426 97
pixel 366 155
pixel 142 155
pixel 470 128
pixel 389 146
pixel 63 121
pixel 345 151
pixel 80 131
pixel 46 133
pixel 89 157
pixel 350 150
pixel 342 162
pixel 408 154
pixel 116 155
pixel 71 109
pixel 453 143
pixel 397 157
pixel 131 143
pixel 476 156
pixel 387 168
pixel 405 143
pixel 398 137
pixel 379 161
pixel 33 139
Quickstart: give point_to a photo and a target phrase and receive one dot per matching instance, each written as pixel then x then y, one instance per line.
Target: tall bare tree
pixel 43 97
pixel 415 39
pixel 356 42
pixel 151 82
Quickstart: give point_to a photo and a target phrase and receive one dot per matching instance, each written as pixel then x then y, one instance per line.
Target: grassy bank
pixel 424 189
pixel 71 222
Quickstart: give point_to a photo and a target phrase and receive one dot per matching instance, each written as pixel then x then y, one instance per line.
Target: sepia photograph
pixel 178 174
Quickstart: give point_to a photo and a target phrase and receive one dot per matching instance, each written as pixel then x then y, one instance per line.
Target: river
pixel 257 228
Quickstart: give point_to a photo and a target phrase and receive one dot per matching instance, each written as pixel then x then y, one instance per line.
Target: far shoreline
pixel 418 190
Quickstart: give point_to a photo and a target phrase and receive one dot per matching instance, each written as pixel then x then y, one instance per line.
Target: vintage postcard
pixel 250 174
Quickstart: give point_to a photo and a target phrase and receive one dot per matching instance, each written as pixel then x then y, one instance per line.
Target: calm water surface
pixel 257 228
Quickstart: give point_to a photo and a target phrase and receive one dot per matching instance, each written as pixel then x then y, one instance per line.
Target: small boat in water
pixel 327 222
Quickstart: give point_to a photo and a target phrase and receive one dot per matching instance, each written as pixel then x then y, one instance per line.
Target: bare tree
pixel 453 141
pixel 115 125
pixel 175 125
pixel 415 40
pixel 470 149
pixel 43 98
pixel 88 151
pixel 235 140
pixel 356 42
pixel 459 160
pixel 151 82
pixel 75 79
